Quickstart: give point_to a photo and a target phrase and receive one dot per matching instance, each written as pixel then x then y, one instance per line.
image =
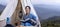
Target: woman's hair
pixel 9 25
pixel 28 7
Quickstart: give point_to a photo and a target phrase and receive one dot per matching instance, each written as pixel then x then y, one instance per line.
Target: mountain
pixel 49 15
pixel 51 22
pixel 1 8
pixel 45 11
pixel 54 18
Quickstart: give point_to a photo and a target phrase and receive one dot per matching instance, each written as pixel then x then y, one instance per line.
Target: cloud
pixel 45 1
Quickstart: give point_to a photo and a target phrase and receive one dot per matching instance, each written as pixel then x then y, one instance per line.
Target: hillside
pixel 45 11
pixel 51 22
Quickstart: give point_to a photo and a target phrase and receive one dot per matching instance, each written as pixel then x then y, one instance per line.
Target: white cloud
pixel 45 1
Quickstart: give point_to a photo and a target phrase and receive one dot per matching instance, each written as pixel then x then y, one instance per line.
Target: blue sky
pixel 46 2
pixel 53 2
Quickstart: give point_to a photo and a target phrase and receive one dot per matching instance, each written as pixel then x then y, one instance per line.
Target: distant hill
pixel 1 8
pixel 49 15
pixel 54 18
pixel 51 21
pixel 45 11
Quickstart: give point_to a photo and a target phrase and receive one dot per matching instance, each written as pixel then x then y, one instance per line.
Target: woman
pixel 28 19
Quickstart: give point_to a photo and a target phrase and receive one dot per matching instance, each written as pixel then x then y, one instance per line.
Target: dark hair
pixel 9 25
pixel 28 7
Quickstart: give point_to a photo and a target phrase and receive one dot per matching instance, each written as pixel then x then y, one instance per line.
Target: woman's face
pixel 27 10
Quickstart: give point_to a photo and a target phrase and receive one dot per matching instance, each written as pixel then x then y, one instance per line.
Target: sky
pixel 52 8
pixel 46 2
pixel 4 2
pixel 45 11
